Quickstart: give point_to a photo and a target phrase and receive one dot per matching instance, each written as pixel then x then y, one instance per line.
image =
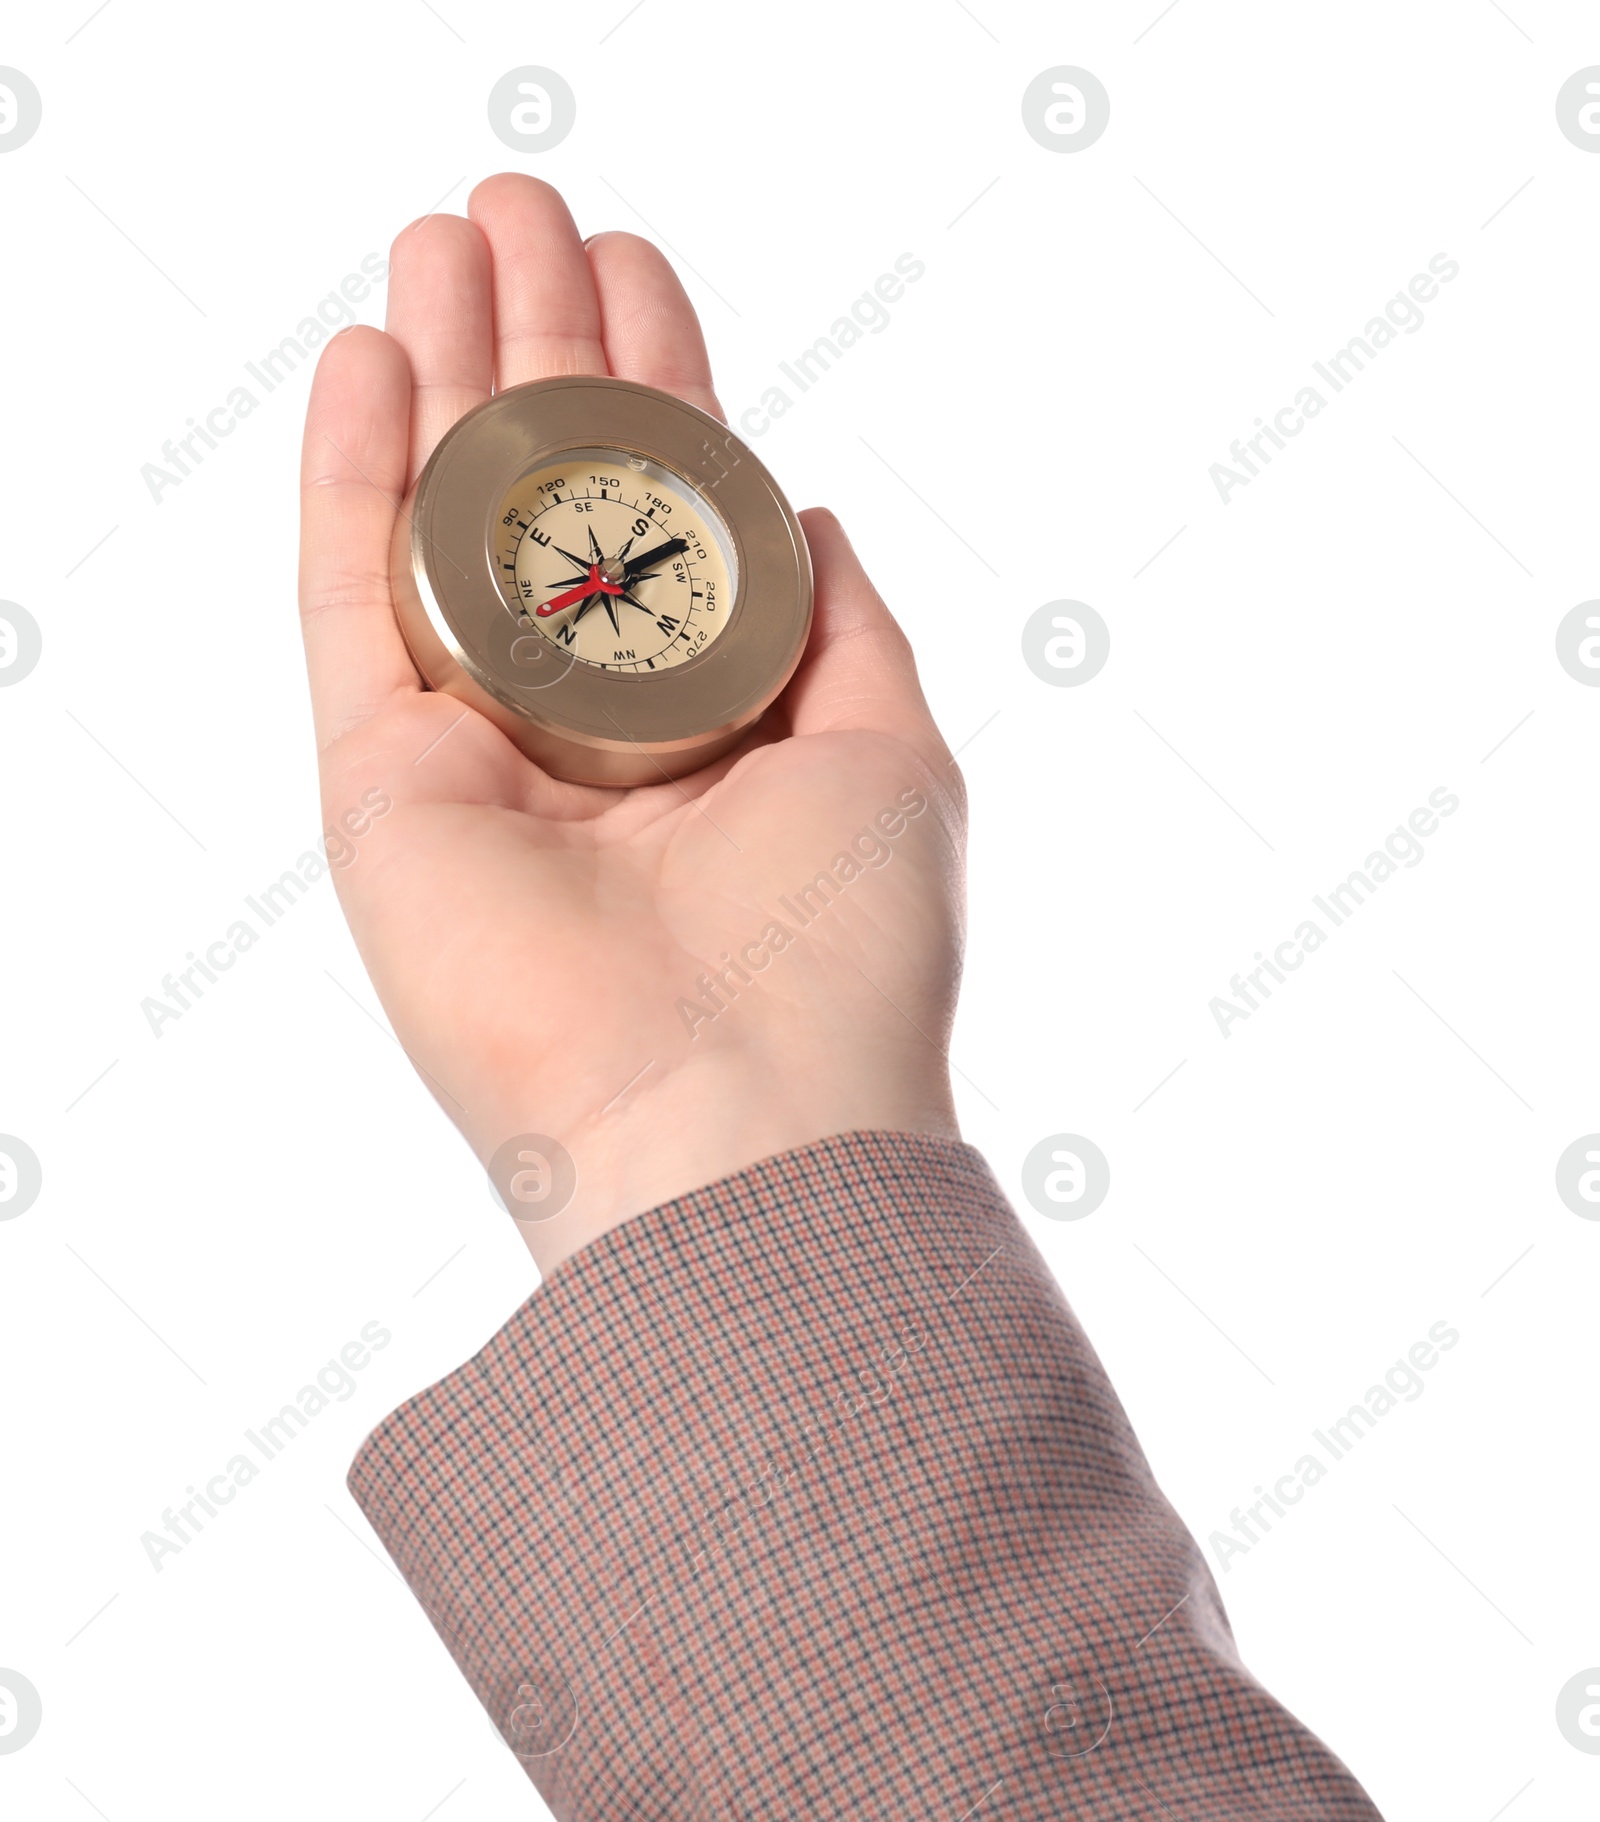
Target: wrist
pixel 659 1142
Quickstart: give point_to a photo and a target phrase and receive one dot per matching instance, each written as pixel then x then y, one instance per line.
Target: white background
pixel 1369 1154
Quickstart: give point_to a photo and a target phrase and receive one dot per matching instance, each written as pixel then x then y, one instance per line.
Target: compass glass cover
pixel 616 560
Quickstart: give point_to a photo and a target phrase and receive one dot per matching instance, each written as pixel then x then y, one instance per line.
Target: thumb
pixel 858 672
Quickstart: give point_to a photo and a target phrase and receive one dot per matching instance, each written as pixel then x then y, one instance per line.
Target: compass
pixel 607 574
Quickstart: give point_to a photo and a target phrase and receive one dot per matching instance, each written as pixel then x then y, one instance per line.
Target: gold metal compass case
pixel 606 573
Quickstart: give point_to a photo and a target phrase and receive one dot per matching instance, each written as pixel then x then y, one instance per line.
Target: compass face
pixel 616 561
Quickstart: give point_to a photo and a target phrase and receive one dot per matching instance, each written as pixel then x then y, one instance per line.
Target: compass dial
pixel 615 560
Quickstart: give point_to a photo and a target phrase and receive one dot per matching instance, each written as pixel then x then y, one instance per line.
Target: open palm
pixel 673 981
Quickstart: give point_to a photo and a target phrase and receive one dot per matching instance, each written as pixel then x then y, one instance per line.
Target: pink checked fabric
pixel 805 1496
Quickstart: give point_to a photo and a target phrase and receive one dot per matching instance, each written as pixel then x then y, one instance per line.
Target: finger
pixel 649 327
pixel 546 316
pixel 353 467
pixel 441 312
pixel 858 671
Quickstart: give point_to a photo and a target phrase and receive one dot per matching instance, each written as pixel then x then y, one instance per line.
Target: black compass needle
pixel 630 570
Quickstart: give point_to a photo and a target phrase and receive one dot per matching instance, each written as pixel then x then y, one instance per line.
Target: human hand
pixel 541 947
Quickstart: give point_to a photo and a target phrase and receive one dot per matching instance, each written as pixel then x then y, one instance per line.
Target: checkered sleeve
pixel 805 1495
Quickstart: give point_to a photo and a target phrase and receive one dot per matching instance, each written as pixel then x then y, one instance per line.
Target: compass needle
pixel 670 549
